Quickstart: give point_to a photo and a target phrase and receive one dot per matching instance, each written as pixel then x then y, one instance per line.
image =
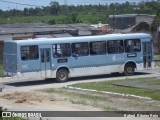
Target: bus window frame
pixel 96 53
pixel 36 58
pixel 55 55
pixel 132 51
pixel 107 46
pixel 75 53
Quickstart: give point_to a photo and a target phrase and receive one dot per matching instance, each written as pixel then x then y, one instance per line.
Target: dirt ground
pixel 40 101
pixel 21 96
pixel 33 100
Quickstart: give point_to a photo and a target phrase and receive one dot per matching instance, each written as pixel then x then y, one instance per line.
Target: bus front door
pixel 147 54
pixel 45 62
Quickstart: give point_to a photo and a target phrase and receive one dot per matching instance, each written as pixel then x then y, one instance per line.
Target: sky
pixel 4 5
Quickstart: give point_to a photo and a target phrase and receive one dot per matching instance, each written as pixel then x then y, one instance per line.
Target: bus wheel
pixel 129 69
pixel 62 75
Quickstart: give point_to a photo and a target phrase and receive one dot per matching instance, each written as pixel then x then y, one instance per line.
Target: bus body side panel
pixel 88 65
pixel 10 58
pixel 78 66
pixel 98 64
pixel 58 63
pixel 28 68
pixel 136 57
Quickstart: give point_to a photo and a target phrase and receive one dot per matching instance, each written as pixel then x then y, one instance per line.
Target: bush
pixel 52 22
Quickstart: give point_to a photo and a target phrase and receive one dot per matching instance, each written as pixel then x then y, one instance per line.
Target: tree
pixel 156 22
pixel 74 17
pixel 54 8
pixel 25 11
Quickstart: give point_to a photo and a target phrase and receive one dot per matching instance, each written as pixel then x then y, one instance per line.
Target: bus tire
pixel 62 75
pixel 129 69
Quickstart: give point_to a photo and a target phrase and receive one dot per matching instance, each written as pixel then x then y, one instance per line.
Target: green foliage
pixel 63 20
pixel 1 70
pixel 74 17
pixel 156 23
pixel 52 22
pixel 109 87
pixel 54 8
pixel 81 13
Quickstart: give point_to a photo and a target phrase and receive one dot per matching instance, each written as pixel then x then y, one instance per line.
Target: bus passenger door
pixel 147 54
pixel 45 62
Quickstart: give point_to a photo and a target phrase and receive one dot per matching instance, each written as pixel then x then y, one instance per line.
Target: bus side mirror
pixel 74 55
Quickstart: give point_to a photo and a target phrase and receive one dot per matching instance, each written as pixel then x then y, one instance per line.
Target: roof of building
pixel 41 27
pixel 130 15
pixel 141 27
pixel 61 35
pixel 44 36
pixel 99 25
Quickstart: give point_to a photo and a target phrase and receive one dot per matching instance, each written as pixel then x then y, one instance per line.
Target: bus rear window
pixel 29 52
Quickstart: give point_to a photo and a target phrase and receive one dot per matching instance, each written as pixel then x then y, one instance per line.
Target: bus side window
pixel 81 48
pixel 75 53
pixel 24 57
pixel 115 46
pixel 132 45
pixel 61 50
pixel 29 52
pixel 97 48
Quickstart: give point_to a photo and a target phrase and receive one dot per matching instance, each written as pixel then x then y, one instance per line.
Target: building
pixel 22 31
pixel 104 28
pixel 144 27
pixel 125 21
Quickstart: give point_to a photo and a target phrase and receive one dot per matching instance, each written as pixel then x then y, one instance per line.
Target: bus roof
pixel 82 39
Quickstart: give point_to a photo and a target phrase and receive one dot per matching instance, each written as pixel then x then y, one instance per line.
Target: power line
pixel 19 3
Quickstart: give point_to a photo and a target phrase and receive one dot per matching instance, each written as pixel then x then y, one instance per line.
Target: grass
pixel 99 100
pixel 108 86
pixel 157 57
pixel 157 83
pixel 1 70
pixel 59 19
pixel 25 19
pixel 83 98
pixel 157 63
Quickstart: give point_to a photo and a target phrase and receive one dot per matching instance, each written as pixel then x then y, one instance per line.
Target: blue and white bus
pixel 62 58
